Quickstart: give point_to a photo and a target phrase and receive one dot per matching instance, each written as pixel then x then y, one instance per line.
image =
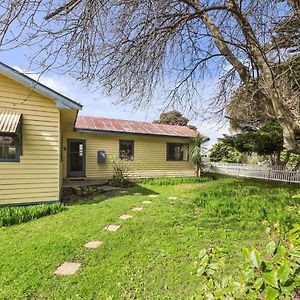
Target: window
pixel 126 149
pixel 9 147
pixel 177 152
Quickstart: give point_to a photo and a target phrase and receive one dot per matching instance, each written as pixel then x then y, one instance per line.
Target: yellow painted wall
pixel 36 176
pixel 149 155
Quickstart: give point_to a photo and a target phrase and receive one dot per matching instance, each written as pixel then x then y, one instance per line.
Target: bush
pixel 271 274
pixel 16 215
pixel 174 180
pixel 123 172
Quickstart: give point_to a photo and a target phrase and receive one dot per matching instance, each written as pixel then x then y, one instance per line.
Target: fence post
pixel 269 175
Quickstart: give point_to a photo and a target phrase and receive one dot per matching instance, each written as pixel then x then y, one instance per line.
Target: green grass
pixel 15 215
pixel 154 255
pixel 174 180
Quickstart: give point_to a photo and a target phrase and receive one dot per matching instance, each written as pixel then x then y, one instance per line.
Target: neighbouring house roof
pixel 9 121
pixel 105 125
pixel 61 100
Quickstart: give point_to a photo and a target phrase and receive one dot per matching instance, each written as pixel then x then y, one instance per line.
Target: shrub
pixel 174 180
pixel 123 172
pixel 273 273
pixel 16 215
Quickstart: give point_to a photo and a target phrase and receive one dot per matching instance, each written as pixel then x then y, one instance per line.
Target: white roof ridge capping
pixel 61 100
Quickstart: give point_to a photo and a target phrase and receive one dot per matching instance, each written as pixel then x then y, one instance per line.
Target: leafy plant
pixel 161 181
pixel 196 150
pixel 273 273
pixel 16 215
pixel 123 172
pixel 224 151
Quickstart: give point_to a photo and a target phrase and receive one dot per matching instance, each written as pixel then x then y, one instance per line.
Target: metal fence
pixel 256 171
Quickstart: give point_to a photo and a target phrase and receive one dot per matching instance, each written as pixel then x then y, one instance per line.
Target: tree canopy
pixel 224 151
pixel 174 117
pixel 165 49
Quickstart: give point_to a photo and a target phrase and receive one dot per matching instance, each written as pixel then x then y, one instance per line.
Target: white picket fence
pixel 255 171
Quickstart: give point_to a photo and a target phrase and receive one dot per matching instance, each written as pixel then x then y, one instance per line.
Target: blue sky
pixel 96 103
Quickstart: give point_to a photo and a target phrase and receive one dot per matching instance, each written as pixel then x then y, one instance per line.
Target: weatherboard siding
pixel 36 177
pixel 149 155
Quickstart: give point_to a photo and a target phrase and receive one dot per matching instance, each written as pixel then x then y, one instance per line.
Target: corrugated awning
pixel 9 121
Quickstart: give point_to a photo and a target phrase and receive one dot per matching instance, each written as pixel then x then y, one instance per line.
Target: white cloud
pixel 99 104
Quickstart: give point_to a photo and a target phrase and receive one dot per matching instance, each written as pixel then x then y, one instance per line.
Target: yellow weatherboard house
pixel 43 142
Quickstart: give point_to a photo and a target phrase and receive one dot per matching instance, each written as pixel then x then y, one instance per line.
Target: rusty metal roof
pixel 95 124
pixel 9 121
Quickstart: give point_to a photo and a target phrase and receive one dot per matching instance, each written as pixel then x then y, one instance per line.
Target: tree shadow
pixel 98 196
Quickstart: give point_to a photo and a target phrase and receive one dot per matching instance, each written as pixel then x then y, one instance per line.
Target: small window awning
pixel 10 121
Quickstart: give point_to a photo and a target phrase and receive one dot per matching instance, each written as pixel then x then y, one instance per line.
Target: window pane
pixel 76 156
pixel 177 151
pixel 8 147
pixel 127 149
pixel 185 152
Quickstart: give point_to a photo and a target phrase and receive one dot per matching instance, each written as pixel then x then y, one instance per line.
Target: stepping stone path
pixel 137 209
pixel 153 196
pixel 70 268
pixel 93 244
pixel 112 228
pixel 147 202
pixel 67 268
pixel 172 198
pixel 125 217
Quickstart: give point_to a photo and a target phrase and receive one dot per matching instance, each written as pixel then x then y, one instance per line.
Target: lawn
pixel 154 254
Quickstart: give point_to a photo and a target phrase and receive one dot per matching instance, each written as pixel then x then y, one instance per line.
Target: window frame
pixel 177 144
pixel 126 141
pixel 18 147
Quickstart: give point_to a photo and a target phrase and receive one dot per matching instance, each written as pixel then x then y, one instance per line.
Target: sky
pixel 96 103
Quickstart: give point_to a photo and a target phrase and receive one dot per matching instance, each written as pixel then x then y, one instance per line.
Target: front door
pixel 76 158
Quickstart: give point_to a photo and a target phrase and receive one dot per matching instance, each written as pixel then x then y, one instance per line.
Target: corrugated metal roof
pixel 131 127
pixel 9 121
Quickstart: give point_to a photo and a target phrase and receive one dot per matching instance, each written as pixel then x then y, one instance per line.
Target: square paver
pixel 147 202
pixel 93 244
pixel 125 217
pixel 112 228
pixel 172 198
pixel 137 209
pixel 67 268
pixel 153 196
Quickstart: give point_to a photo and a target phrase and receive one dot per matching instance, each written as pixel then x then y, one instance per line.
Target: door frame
pixel 83 173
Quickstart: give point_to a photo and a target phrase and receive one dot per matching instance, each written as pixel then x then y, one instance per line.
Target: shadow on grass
pixel 136 190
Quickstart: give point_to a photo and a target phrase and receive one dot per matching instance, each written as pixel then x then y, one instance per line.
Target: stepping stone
pixel 172 198
pixel 67 268
pixel 125 217
pixel 153 196
pixel 123 192
pixel 112 228
pixel 137 194
pixel 137 209
pixel 108 188
pixel 93 244
pixel 147 202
